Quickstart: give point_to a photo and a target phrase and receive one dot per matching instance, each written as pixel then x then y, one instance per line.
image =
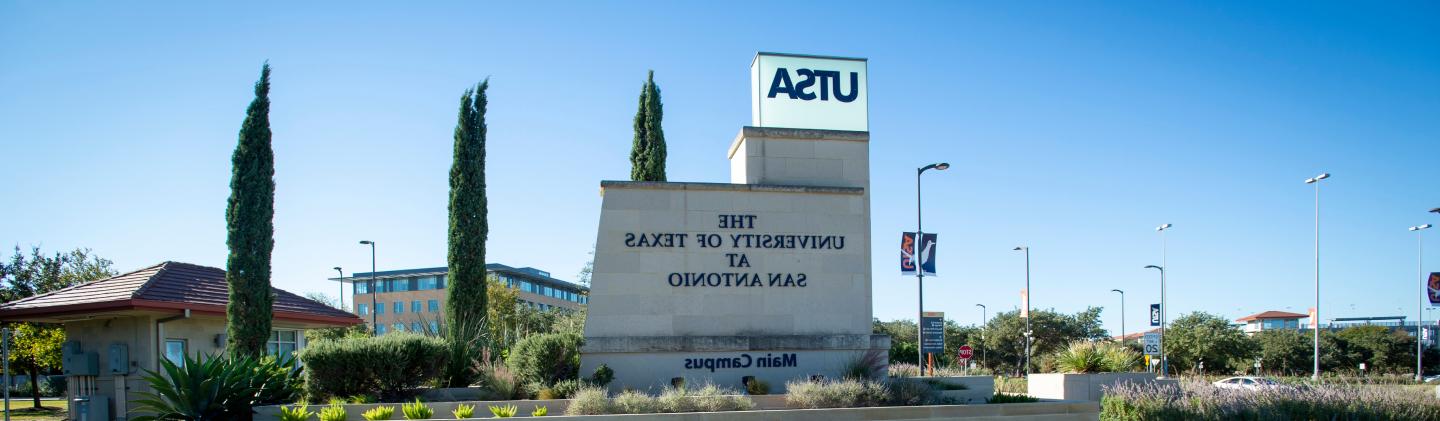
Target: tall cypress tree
pixel 250 226
pixel 647 154
pixel 465 311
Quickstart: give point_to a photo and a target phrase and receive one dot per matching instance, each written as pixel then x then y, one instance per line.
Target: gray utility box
pixel 92 408
pixel 118 359
pixel 82 364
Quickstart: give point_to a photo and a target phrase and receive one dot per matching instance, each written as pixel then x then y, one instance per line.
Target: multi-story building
pixel 414 299
pixel 1271 320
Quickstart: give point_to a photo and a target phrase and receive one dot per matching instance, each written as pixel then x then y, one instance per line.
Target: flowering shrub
pixel 1202 401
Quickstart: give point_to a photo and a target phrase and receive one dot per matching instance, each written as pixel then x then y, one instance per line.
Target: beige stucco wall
pixel 140 334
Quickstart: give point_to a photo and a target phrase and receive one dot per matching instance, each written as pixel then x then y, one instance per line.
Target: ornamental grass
pixel 1203 401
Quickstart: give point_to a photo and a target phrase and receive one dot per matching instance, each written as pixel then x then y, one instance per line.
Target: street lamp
pixel 342 286
pixel 1164 365
pixel 1028 332
pixel 1424 299
pixel 374 317
pixel 1122 315
pixel 919 269
pixel 1315 324
pixel 984 322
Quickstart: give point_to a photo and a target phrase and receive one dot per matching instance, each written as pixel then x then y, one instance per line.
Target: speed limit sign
pixel 1152 344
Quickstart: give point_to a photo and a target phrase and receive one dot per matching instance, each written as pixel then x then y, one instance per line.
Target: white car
pixel 1247 383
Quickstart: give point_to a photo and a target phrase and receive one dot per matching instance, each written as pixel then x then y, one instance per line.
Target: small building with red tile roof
pixel 127 323
pixel 1271 320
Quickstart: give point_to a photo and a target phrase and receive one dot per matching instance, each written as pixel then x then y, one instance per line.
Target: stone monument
pixel 767 276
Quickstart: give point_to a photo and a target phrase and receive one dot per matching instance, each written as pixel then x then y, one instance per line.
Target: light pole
pixel 915 257
pixel 1424 299
pixel 1315 323
pixel 1164 309
pixel 1028 332
pixel 1122 315
pixel 1164 365
pixel 984 322
pixel 374 318
pixel 342 286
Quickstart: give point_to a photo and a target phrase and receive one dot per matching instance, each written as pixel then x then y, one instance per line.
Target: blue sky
pixel 1073 128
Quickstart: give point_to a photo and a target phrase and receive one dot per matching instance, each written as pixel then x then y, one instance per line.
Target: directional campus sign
pixel 1154 314
pixel 926 256
pixel 1152 343
pixel 932 332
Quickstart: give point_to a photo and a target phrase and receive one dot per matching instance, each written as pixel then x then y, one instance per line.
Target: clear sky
pixel 1074 128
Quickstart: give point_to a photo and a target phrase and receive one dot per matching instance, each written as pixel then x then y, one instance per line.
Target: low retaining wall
pixel 978 389
pixel 1082 387
pixel 1041 411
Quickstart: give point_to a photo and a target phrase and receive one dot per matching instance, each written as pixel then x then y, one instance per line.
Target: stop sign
pixel 966 352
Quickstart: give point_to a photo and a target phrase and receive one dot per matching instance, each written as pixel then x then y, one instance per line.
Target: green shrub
pixel 1095 357
pixel 499 380
pixel 217 388
pixel 910 393
pixel 1011 384
pixel 589 401
pixel 539 411
pixel 334 412
pixel 417 410
pixel 565 389
pixel 463 411
pixel 503 411
pixel 602 376
pixel 846 393
pixel 546 358
pixel 388 364
pixel 364 398
pixel 379 413
pixel 1011 398
pixel 295 413
pixel 757 387
pixel 633 402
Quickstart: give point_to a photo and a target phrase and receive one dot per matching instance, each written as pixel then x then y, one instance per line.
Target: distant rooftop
pixel 1272 315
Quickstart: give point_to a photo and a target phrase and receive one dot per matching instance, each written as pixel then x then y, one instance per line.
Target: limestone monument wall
pixel 765 276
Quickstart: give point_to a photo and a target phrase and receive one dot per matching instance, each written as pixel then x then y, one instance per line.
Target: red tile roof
pixel 1272 315
pixel 168 285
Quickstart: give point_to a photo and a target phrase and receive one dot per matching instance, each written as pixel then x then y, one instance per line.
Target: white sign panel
pixel 1152 344
pixel 809 92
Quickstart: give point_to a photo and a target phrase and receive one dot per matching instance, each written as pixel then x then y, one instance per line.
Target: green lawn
pixel 23 409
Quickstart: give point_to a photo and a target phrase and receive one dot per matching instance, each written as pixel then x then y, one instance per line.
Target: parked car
pixel 1247 383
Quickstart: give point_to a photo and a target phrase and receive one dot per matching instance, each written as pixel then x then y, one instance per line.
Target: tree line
pixel 1196 343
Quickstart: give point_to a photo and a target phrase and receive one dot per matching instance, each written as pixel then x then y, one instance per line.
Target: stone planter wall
pixel 978 389
pixel 1049 411
pixel 1080 387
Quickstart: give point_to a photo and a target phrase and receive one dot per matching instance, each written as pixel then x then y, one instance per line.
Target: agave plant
pixel 334 412
pixel 298 412
pixel 379 413
pixel 504 411
pixel 539 411
pixel 216 388
pixel 463 411
pixel 417 410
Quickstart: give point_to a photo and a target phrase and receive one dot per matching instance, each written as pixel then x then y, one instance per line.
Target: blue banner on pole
pixel 926 256
pixel 1154 314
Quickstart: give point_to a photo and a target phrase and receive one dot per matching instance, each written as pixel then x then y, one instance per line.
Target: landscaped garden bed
pixel 1197 400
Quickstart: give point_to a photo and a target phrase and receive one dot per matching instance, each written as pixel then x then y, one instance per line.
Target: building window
pixel 399 307
pixel 399 327
pixel 434 305
pixel 415 327
pixel 379 308
pixel 380 330
pixel 415 306
pixel 175 351
pixel 362 287
pixel 434 327
pixel 428 283
pixel 362 309
pixel 401 285
pixel 282 342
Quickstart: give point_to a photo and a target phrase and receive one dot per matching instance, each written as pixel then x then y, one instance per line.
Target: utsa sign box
pixel 809 92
